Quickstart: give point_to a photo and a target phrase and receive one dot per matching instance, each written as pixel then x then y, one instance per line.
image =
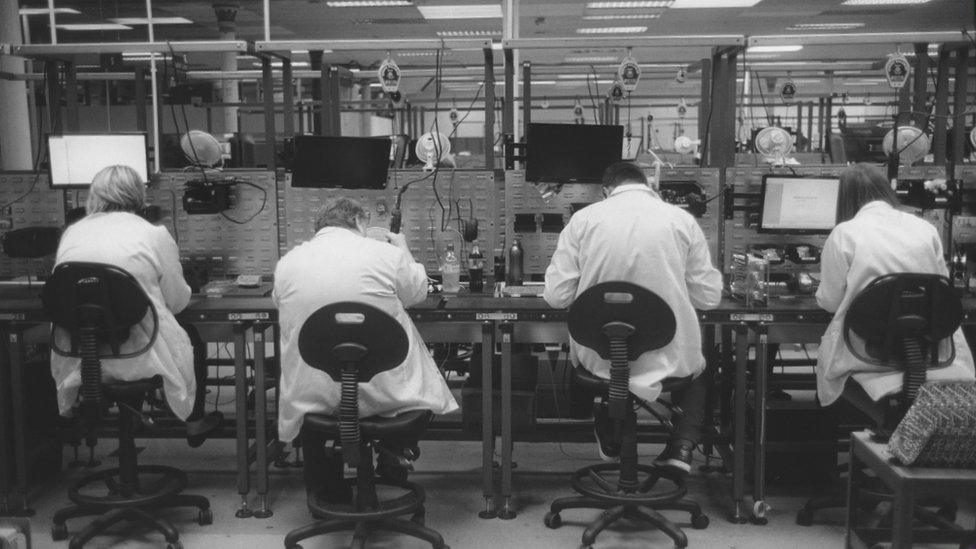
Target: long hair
pixel 860 184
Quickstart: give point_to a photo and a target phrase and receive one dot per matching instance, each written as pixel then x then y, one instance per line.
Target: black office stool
pixel 97 305
pixel 904 321
pixel 621 321
pixel 352 342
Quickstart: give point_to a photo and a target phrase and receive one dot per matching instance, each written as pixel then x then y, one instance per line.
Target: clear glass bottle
pixel 451 272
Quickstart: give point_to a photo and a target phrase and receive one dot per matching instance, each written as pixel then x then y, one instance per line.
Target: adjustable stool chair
pixel 352 342
pixel 622 321
pixel 904 321
pixel 97 305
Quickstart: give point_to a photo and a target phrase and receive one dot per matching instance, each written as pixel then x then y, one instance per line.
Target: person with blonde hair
pixel 112 233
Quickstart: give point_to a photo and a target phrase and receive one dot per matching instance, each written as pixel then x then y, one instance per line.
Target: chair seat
pixel 594 383
pixel 408 423
pixel 124 389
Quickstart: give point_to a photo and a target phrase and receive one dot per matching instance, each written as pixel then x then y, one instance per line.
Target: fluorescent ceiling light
pixel 279 64
pixel 543 82
pixel 611 30
pixel 693 4
pixel 861 83
pixel 367 3
pixel 467 33
pixel 865 64
pixel 416 53
pixel 613 16
pixel 304 52
pixel 825 26
pixel 45 11
pixel 626 4
pixel 774 49
pixel 881 2
pixel 155 20
pixel 593 59
pixel 471 11
pixel 93 26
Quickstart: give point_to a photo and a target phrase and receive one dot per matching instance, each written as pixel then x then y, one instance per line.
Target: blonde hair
pixel 339 212
pixel 116 189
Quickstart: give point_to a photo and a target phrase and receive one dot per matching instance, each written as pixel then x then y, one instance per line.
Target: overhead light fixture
pixel 155 20
pixel 45 11
pixel 861 83
pixel 694 4
pixel 471 11
pixel 593 59
pixel 367 3
pixel 279 64
pixel 864 64
pixel 881 2
pixel 617 16
pixel 467 33
pixel 93 26
pixel 825 26
pixel 543 82
pixel 629 4
pixel 416 53
pixel 774 49
pixel 611 30
pixel 305 52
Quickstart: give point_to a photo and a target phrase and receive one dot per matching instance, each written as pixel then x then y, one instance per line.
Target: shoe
pixel 199 430
pixel 603 430
pixel 676 456
pixel 395 463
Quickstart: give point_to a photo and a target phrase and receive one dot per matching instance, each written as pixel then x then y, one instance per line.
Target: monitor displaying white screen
pixel 798 204
pixel 76 158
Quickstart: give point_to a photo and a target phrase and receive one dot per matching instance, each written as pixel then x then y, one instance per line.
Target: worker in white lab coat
pixel 341 264
pixel 113 234
pixel 874 238
pixel 636 237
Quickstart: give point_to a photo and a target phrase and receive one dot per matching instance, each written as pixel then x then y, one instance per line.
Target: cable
pixel 589 91
pixel 264 202
pixel 468 112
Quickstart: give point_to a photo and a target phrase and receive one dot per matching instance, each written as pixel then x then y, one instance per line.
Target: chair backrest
pixel 903 320
pixel 352 342
pixel 621 321
pixel 97 305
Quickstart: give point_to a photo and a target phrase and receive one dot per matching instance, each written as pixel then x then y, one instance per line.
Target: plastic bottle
pixel 451 272
pixel 476 270
pixel 499 265
pixel 515 255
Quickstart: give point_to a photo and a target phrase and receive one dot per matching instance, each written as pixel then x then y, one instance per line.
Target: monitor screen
pixel 571 153
pixel 76 158
pixel 798 205
pixel 341 162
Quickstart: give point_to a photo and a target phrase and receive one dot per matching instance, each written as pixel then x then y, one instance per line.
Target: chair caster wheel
pixel 760 521
pixel 804 517
pixel 175 545
pixel 205 517
pixel 553 520
pixel 59 532
pixel 700 522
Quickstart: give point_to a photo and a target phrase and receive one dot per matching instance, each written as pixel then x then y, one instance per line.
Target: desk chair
pixel 97 305
pixel 622 321
pixel 904 321
pixel 353 342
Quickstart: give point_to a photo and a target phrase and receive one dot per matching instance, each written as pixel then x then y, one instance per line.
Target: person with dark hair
pixel 636 237
pixel 873 238
pixel 340 263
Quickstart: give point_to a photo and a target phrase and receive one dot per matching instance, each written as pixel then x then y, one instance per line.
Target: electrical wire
pixel 264 202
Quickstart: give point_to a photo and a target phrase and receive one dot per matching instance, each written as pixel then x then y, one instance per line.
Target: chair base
pixel 113 514
pixel 612 513
pixel 362 529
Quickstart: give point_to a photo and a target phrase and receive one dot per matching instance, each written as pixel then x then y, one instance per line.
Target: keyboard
pixel 534 290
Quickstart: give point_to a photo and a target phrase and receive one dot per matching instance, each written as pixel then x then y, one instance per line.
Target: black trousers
pixel 199 371
pixel 691 400
pixel 323 466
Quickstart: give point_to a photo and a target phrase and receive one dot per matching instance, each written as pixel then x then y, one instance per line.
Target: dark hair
pixel 622 172
pixel 860 184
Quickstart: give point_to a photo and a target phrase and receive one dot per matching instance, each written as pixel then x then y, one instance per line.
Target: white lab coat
pixel 340 265
pixel 879 240
pixel 635 236
pixel 150 255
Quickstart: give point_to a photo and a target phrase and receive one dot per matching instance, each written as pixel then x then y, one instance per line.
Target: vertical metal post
pixel 704 104
pixel 959 107
pixel 508 109
pixel 267 83
pixel 810 126
pixel 799 120
pixel 261 419
pixel 142 122
pixel 330 101
pixel 288 99
pixel 941 107
pixel 820 123
pixel 422 119
pixel 904 116
pixel 52 94
pixel 828 121
pixel 526 97
pixel 315 60
pixel 920 84
pixel 70 96
pixel 487 421
pixel 240 418
pixel 489 108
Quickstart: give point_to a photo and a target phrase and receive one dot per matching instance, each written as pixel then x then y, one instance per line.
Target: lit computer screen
pixel 798 204
pixel 76 158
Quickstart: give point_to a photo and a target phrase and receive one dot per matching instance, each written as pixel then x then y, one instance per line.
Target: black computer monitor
pixel 863 142
pixel 798 205
pixel 571 153
pixel 76 158
pixel 341 162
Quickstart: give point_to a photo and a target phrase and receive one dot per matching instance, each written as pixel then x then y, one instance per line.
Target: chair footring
pixel 361 530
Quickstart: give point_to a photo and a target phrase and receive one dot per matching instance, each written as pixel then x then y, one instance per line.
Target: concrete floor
pixel 449 472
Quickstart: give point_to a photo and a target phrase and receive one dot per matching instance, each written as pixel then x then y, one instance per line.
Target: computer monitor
pixel 76 158
pixel 798 205
pixel 341 162
pixel 571 153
